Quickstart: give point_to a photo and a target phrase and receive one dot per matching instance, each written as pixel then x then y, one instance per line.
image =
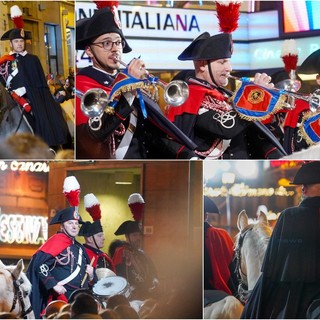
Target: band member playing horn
pixel 135 128
pixel 208 117
pixel 59 265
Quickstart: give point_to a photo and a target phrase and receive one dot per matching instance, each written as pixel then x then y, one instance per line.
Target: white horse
pixel 251 244
pixel 311 153
pixel 227 308
pixel 15 290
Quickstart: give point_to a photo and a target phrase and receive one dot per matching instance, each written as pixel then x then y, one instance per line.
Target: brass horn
pixel 93 104
pixel 175 92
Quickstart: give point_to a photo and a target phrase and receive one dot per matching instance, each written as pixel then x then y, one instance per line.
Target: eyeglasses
pixel 108 45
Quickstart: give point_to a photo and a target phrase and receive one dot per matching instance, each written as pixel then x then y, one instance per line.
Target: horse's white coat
pixel 312 153
pixel 7 289
pixel 227 308
pixel 254 246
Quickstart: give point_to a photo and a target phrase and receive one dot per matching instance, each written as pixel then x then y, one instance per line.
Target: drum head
pixel 110 286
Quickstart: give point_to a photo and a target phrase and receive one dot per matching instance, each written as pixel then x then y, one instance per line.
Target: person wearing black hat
pixel 207 117
pixel 133 263
pixel 94 237
pixel 220 278
pixel 25 80
pixel 289 286
pixel 136 128
pixel 60 265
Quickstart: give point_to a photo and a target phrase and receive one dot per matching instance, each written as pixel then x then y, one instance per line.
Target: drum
pixel 104 273
pixel 111 286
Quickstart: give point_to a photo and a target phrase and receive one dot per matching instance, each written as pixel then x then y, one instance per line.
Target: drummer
pixel 94 239
pixel 132 263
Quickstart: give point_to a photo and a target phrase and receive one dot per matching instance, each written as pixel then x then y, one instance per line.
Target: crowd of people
pixel 62 88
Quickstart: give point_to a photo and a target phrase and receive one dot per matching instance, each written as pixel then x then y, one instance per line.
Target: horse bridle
pixel 242 277
pixel 18 295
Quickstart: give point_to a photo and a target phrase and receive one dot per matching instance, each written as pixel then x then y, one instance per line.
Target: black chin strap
pixel 94 240
pixel 210 73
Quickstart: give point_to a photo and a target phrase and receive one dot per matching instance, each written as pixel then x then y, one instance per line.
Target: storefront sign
pixel 24 166
pixel 23 229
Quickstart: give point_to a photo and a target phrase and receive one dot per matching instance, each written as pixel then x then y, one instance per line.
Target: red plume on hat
pixel 16 17
pixel 71 189
pixel 289 55
pixel 103 4
pixel 136 204
pixel 228 13
pixel 92 205
pixel 113 5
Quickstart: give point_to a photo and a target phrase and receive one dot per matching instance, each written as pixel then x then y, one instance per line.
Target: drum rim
pixel 122 291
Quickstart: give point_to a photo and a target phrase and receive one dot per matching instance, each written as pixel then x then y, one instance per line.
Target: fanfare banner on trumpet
pixel 310 127
pixel 125 83
pixel 254 102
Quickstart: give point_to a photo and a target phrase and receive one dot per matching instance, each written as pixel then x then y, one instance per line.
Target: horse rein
pixel 18 295
pixel 242 277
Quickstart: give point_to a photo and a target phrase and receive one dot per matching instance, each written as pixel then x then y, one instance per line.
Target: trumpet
pixel 94 102
pixel 313 98
pixel 175 92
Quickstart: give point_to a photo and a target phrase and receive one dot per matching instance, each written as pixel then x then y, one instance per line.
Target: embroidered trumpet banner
pixel 253 102
pixel 310 128
pixel 125 83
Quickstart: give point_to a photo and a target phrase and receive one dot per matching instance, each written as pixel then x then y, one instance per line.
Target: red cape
pixel 92 254
pixel 219 245
pixel 56 244
pixel 193 103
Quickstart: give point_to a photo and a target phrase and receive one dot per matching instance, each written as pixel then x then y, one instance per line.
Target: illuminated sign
pixel 268 54
pixel 301 16
pixel 159 35
pixel 243 190
pixel 23 229
pixel 24 166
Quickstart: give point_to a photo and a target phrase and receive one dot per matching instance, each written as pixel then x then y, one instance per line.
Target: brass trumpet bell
pixel 94 102
pixel 176 93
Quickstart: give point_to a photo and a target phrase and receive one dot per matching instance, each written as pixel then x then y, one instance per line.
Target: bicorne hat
pixel 210 206
pixel 309 173
pixel 103 21
pixel 67 214
pixel 89 229
pixel 18 32
pixel 206 47
pixel 92 206
pixel 128 227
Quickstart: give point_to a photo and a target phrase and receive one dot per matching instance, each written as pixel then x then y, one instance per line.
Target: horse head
pixel 250 247
pixel 15 288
